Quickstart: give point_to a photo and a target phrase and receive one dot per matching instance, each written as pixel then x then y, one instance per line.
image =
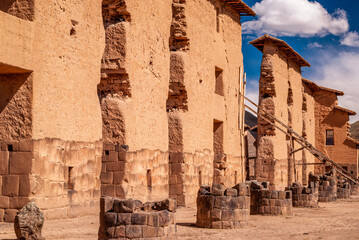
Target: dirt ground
pixel 338 220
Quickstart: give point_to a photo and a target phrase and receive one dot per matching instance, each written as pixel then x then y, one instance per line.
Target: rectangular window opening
pixel 235 177
pixel 218 137
pixel 219 89
pixel 10 147
pixel 70 184
pixel 107 152
pixel 329 137
pixel 200 178
pixel 149 179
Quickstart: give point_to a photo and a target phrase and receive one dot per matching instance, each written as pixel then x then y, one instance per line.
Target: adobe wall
pixel 204 51
pixel 281 94
pixel 157 94
pixel 308 132
pixel 343 152
pixel 53 70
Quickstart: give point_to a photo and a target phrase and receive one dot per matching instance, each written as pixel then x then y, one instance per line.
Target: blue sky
pixel 324 32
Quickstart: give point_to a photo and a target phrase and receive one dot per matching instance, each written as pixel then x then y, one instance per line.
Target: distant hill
pixel 354 130
pixel 250 119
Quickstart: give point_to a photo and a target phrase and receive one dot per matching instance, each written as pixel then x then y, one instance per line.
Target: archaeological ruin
pixel 132 111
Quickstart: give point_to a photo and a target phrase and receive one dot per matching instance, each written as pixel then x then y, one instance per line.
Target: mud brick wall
pixel 270 202
pixel 132 219
pixel 222 208
pixel 62 177
pixel 305 196
pixel 141 174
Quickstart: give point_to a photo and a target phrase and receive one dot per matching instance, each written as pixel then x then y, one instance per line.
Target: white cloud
pixel 350 39
pixel 314 45
pixel 296 18
pixel 341 72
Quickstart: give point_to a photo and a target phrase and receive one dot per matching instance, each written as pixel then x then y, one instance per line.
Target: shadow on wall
pixel 15 106
pixel 19 8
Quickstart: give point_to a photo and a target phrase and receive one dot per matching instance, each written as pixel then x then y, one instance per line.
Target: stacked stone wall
pixel 269 202
pixel 305 196
pixel 141 174
pixel 354 190
pixel 62 177
pixel 344 190
pixel 222 208
pixel 132 219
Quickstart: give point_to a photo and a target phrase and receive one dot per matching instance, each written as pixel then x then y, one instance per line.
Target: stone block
pixel 115 166
pixel 106 204
pixel 227 225
pixel 10 185
pixel 110 219
pixel 216 215
pixel 9 215
pixel 231 192
pixel 20 162
pixel 24 186
pixel 118 177
pixel 111 232
pixel 242 189
pixel 26 145
pixel 4 161
pixel 176 189
pixel 110 156
pixel 18 202
pixel 220 202
pixel 235 202
pixel 218 189
pixel 274 194
pixel 139 219
pixel 216 225
pixel 106 178
pixel 120 232
pixel 127 205
pixel 206 202
pixel 4 202
pixel 238 215
pixel 108 190
pixel 152 219
pixel 149 232
pixel 281 195
pixel 2 213
pixel 133 231
pixel 168 204
pixel 228 215
pixel 163 218
pixel 123 219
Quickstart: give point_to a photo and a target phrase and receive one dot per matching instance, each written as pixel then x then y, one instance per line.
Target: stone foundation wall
pixel 62 177
pixel 270 202
pixel 344 190
pixel 354 190
pixel 305 196
pixel 131 219
pixel 187 173
pixel 142 174
pixel 222 208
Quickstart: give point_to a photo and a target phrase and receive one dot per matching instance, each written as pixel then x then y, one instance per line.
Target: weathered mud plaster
pixel 281 94
pixel 50 116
